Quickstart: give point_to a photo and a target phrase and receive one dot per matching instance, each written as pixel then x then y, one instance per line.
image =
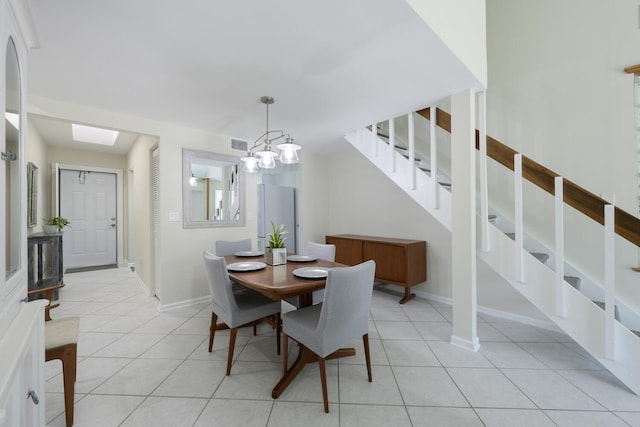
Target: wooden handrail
pixel 634 69
pixel 626 224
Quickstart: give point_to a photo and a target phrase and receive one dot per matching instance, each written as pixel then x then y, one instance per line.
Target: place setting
pixel 246 266
pixel 311 272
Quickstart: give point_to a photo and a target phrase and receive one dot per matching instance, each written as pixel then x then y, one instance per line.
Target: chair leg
pixel 278 331
pixel 285 353
pixel 255 328
pixel 367 355
pixel 232 344
pixel 323 380
pixel 69 375
pixel 212 329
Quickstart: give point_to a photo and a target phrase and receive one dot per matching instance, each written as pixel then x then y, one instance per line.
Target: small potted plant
pixel 56 224
pixel 276 252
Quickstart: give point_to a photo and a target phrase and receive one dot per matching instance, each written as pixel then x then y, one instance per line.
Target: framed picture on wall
pixel 32 195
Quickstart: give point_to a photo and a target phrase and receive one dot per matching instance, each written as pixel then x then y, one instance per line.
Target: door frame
pixel 55 199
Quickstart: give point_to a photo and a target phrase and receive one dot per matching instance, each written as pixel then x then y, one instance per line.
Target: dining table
pixel 277 283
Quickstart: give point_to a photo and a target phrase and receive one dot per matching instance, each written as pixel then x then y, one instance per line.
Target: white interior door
pixel 88 201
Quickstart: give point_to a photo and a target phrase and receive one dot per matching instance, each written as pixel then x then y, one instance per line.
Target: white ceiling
pixel 332 65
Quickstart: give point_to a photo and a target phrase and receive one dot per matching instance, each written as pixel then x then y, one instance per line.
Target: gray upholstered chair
pixel 230 247
pixel 235 309
pixel 338 321
pixel 323 251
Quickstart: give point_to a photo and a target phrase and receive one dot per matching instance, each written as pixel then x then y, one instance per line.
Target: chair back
pixel 219 285
pixel 321 251
pixel 230 247
pixel 345 310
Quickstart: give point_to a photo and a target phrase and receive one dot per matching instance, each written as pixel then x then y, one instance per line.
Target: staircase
pixel 586 319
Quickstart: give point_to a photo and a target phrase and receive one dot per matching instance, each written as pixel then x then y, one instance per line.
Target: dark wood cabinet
pixel 399 262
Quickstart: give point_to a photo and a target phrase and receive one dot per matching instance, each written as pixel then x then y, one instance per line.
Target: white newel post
pixel 433 113
pixel 559 235
pixel 484 186
pixel 463 224
pixel 609 280
pixel 517 178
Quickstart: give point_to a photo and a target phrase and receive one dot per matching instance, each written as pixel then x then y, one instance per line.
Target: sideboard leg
pixel 407 295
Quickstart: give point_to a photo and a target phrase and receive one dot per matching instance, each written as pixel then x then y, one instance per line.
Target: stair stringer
pixel 382 155
pixel 582 320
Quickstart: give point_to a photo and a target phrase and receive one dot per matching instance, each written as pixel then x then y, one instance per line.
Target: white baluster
pixel 392 144
pixel 484 186
pixel 517 169
pixel 374 139
pixel 434 156
pixel 412 153
pixel 609 280
pixel 559 231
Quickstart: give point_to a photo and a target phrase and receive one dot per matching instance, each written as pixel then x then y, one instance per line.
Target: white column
pixel 463 221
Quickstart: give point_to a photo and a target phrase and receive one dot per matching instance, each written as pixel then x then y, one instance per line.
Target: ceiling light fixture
pixel 266 158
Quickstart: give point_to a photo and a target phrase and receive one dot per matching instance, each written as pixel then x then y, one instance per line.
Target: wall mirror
pixel 212 190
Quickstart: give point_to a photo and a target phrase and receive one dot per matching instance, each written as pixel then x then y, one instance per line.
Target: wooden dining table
pixel 277 283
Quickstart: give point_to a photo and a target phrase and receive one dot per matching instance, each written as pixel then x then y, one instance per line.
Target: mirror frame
pixel 187 221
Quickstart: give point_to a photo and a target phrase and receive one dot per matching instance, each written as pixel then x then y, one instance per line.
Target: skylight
pixel 93 135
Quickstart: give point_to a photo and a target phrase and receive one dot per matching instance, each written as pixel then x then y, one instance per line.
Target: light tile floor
pixel 139 367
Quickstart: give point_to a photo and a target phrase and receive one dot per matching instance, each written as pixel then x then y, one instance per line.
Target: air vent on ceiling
pixel 240 145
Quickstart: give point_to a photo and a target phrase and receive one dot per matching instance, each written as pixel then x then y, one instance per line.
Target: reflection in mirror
pixel 10 155
pixel 212 190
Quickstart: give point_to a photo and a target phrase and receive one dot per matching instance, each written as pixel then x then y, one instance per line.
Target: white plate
pixel 311 272
pixel 246 266
pixel 249 253
pixel 301 258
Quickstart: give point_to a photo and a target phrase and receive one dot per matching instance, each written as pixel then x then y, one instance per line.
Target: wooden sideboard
pixel 399 262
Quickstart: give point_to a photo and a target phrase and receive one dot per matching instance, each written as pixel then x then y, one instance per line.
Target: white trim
pixel 181 304
pixel 143 285
pixel 55 208
pixel 506 315
pixel 466 344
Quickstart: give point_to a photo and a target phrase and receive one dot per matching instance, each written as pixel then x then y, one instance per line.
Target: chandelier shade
pixel 261 155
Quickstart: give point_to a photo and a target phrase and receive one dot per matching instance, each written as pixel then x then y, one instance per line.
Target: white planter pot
pixel 277 256
pixel 50 229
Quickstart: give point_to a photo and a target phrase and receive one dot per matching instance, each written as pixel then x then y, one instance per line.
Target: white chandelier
pixel 265 158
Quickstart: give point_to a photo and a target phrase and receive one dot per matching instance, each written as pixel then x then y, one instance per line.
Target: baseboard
pixel 181 304
pixel 465 343
pixel 143 285
pixel 506 315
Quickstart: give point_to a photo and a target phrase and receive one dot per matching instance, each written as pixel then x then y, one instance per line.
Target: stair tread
pixel 540 256
pixel 573 281
pixel 602 305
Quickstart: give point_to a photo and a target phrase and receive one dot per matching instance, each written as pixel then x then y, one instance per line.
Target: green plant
pixel 59 222
pixel 276 239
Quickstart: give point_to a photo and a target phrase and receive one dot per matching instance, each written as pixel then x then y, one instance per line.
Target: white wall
pixel 139 230
pixel 557 93
pixel 362 200
pixel 461 26
pixel 36 153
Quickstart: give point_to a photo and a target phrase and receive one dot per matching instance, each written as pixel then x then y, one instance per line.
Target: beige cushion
pixel 61 332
